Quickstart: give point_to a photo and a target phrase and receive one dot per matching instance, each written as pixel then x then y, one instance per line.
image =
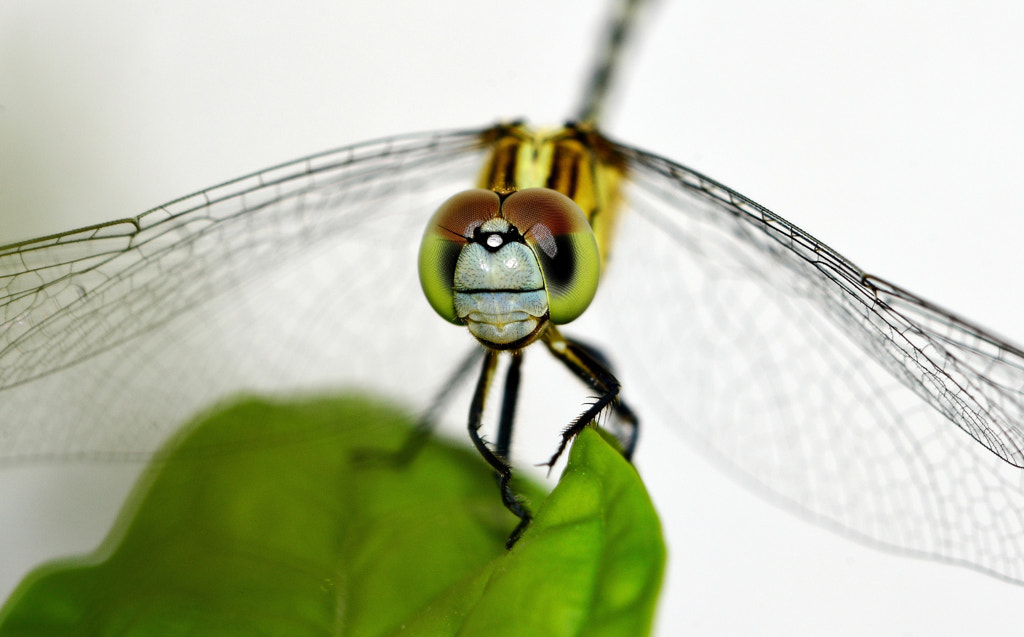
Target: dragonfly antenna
pixel 608 60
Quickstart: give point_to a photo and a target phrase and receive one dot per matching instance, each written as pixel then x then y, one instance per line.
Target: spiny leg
pixel 624 413
pixel 501 468
pixel 586 367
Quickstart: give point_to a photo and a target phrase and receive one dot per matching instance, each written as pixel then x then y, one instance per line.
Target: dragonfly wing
pixel 108 334
pixel 825 388
pixel 847 398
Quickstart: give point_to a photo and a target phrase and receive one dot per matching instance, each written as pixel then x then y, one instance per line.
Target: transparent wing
pixel 827 389
pixel 113 335
pixel 834 392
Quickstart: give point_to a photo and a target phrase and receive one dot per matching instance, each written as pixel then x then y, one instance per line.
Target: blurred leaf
pixel 257 521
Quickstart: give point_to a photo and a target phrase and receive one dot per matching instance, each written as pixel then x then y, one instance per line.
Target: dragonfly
pixel 635 382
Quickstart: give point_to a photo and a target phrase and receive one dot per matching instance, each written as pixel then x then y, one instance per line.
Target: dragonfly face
pixel 498 287
pixel 528 246
pixel 504 266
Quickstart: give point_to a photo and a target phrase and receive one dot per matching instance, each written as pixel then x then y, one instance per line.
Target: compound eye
pixel 446 234
pixel 560 235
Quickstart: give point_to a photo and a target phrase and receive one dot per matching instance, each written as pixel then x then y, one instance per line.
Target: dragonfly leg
pixel 500 466
pixel 508 408
pixel 624 414
pixel 581 361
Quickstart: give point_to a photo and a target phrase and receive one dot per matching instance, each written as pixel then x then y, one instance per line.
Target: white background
pixel 892 131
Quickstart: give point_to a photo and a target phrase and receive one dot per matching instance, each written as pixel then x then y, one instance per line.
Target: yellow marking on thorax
pixel 575 160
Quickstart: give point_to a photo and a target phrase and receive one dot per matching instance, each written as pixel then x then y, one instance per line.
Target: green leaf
pixel 257 520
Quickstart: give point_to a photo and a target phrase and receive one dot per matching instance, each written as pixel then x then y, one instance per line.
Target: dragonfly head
pixel 505 266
